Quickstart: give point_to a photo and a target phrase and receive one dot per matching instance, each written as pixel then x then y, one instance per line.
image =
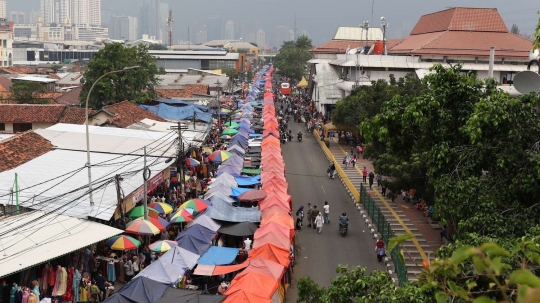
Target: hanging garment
pixel 45 278
pixel 83 297
pixel 13 293
pixel 119 268
pixel 18 296
pixel 25 295
pixel 57 280
pixel 111 277
pixel 75 285
pixel 52 277
pixel 62 283
pixel 68 296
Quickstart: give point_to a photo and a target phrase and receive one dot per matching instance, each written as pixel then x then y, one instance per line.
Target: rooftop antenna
pixel 294 26
pixel 372 5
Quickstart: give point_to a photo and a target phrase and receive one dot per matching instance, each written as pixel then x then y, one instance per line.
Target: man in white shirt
pixel 326 209
pixel 247 244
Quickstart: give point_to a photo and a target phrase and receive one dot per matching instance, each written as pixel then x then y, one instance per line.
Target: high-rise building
pixel 47 11
pixel 123 28
pixel 147 19
pixel 62 12
pixel 163 15
pixel 79 13
pixel 261 39
pixel 281 34
pixel 202 36
pixel 229 30
pixel 33 18
pixel 94 11
pixel 213 27
pixel 71 12
pixel 17 17
pixel 291 35
pixel 3 10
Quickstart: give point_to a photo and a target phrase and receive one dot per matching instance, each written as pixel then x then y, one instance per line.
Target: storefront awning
pixel 36 237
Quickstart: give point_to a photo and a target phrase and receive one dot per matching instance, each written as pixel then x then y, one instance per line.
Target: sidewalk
pixel 403 218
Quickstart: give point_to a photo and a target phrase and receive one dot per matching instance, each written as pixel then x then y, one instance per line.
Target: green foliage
pixel 230 72
pixel 467 146
pixel 355 285
pixel 137 85
pixel 536 35
pixel 27 92
pixel 291 61
pixel 157 47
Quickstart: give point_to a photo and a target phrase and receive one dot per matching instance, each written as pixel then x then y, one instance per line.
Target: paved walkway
pixel 403 217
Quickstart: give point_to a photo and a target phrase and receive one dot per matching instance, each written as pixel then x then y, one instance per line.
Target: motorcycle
pixel 299 138
pixel 283 138
pixel 342 229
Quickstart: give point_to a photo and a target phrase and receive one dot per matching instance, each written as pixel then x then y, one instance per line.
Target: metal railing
pixel 385 231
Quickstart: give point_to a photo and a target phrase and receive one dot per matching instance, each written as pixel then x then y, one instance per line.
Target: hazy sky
pixel 319 17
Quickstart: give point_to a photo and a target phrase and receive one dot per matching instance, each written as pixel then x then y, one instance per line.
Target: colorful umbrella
pixel 232 123
pixel 225 111
pixel 161 208
pixel 190 162
pixel 138 211
pixel 122 243
pixel 230 131
pixel 226 137
pixel 142 227
pixel 219 156
pixel 159 222
pixel 162 246
pixel 181 216
pixel 198 205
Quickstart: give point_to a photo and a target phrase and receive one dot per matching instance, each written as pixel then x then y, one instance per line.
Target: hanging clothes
pixel 45 278
pixel 111 277
pixel 119 268
pixel 75 286
pixel 62 283
pixel 13 293
pixel 82 289
pixel 25 295
pixel 68 296
pixel 57 280
pixel 52 277
pixel 18 296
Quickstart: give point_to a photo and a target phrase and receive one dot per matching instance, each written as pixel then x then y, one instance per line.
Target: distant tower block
pixel 170 23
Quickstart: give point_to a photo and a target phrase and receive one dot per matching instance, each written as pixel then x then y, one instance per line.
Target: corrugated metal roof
pixel 358 33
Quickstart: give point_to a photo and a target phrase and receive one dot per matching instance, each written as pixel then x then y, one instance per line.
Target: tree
pixel 157 47
pixel 137 85
pixel 291 61
pixel 536 36
pixel 515 29
pixel 27 92
pixel 469 148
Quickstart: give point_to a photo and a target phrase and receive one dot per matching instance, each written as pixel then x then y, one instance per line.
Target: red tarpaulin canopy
pixel 272 253
pixel 281 219
pixel 254 283
pixel 273 228
pixel 274 239
pixel 265 267
pixel 240 296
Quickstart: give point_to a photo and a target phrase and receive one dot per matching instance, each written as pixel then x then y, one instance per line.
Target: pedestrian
pixel 314 213
pixel 380 249
pixel 128 267
pixel 326 209
pixel 383 189
pixel 444 233
pixel 379 180
pixel 319 221
pixel 364 174
pixel 299 217
pixel 100 283
pixel 309 212
pixel 353 161
pixel 371 177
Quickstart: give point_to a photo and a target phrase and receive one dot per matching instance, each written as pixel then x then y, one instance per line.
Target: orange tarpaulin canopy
pixel 273 201
pixel 274 209
pixel 273 228
pixel 272 253
pixel 274 239
pixel 254 283
pixel 265 267
pixel 281 219
pixel 240 296
pixel 282 196
pixel 225 269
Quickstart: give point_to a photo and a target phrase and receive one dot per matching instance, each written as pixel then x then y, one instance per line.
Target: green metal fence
pixel 384 230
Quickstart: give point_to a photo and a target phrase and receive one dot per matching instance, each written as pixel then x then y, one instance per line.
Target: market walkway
pixel 403 218
pixel 321 253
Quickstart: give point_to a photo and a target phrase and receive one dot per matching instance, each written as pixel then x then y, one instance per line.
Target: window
pixel 2 126
pixel 21 127
pixel 4 43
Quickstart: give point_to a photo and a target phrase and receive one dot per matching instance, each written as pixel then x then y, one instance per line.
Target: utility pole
pixel 119 198
pixel 180 160
pixel 17 192
pixel 146 176
pixel 218 84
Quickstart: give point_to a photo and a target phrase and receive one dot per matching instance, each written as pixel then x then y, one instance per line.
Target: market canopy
pixel 271 252
pixel 228 213
pixel 273 228
pixel 237 191
pixel 265 267
pixel 179 295
pixel 302 83
pixel 248 181
pixel 274 239
pixel 140 290
pixel 217 255
pixel 240 229
pixel 217 196
pixel 254 283
pixel 170 267
pixel 245 297
pixel 205 221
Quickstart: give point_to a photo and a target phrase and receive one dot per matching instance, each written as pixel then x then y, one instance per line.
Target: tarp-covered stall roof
pixel 228 213
pixel 218 256
pixel 178 113
pixel 33 238
pixel 140 290
pixel 170 267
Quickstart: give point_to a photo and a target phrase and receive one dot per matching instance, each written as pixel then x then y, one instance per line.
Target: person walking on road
pixel 364 174
pixel 371 177
pixel 319 221
pixel 299 217
pixel 347 160
pixel 379 180
pixel 314 213
pixel 309 212
pixel 326 208
pixel 380 249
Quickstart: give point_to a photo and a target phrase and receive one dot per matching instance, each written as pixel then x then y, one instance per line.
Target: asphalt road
pixel 306 167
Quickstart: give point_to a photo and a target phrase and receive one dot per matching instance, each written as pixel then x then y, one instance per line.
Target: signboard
pixel 151 184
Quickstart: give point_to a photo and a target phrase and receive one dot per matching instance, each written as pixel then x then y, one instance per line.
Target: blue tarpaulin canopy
pixel 178 102
pixel 237 191
pixel 247 181
pixel 178 113
pixel 218 256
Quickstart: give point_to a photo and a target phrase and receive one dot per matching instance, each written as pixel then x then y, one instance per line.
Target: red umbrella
pixel 252 196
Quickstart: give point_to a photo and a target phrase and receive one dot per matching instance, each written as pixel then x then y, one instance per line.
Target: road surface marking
pixel 407 230
pixel 323 189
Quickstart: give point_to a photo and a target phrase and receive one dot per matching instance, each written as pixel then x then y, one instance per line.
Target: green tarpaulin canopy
pixel 251 171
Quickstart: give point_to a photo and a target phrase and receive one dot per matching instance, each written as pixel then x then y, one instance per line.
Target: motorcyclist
pixel 344 221
pixel 299 133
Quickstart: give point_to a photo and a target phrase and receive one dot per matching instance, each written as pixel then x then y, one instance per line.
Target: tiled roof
pixel 74 115
pixel 22 148
pixel 187 92
pixel 30 113
pixel 18 70
pixel 464 43
pixel 461 19
pixel 70 98
pixel 336 46
pixel 127 113
pixel 5 84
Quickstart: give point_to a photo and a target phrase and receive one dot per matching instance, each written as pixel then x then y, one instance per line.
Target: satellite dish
pixel 527 82
pixel 352 51
pixel 533 55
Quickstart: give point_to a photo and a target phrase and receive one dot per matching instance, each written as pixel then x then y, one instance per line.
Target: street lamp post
pixel 218 84
pixel 87 132
pixel 384 27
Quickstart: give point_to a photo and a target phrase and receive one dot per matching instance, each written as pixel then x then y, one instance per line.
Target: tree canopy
pixel 291 61
pixel 27 92
pixel 137 85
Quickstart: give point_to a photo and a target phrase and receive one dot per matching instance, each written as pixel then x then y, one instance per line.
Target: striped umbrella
pixel 181 216
pixel 198 205
pixel 138 211
pixel 122 243
pixel 159 222
pixel 162 246
pixel 190 162
pixel 229 131
pixel 142 227
pixel 219 156
pixel 161 208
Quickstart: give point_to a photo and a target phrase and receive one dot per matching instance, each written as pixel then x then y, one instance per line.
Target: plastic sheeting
pixel 170 267
pixel 228 213
pixel 205 221
pixel 176 295
pixel 248 181
pixel 178 113
pixel 140 290
pixel 217 255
